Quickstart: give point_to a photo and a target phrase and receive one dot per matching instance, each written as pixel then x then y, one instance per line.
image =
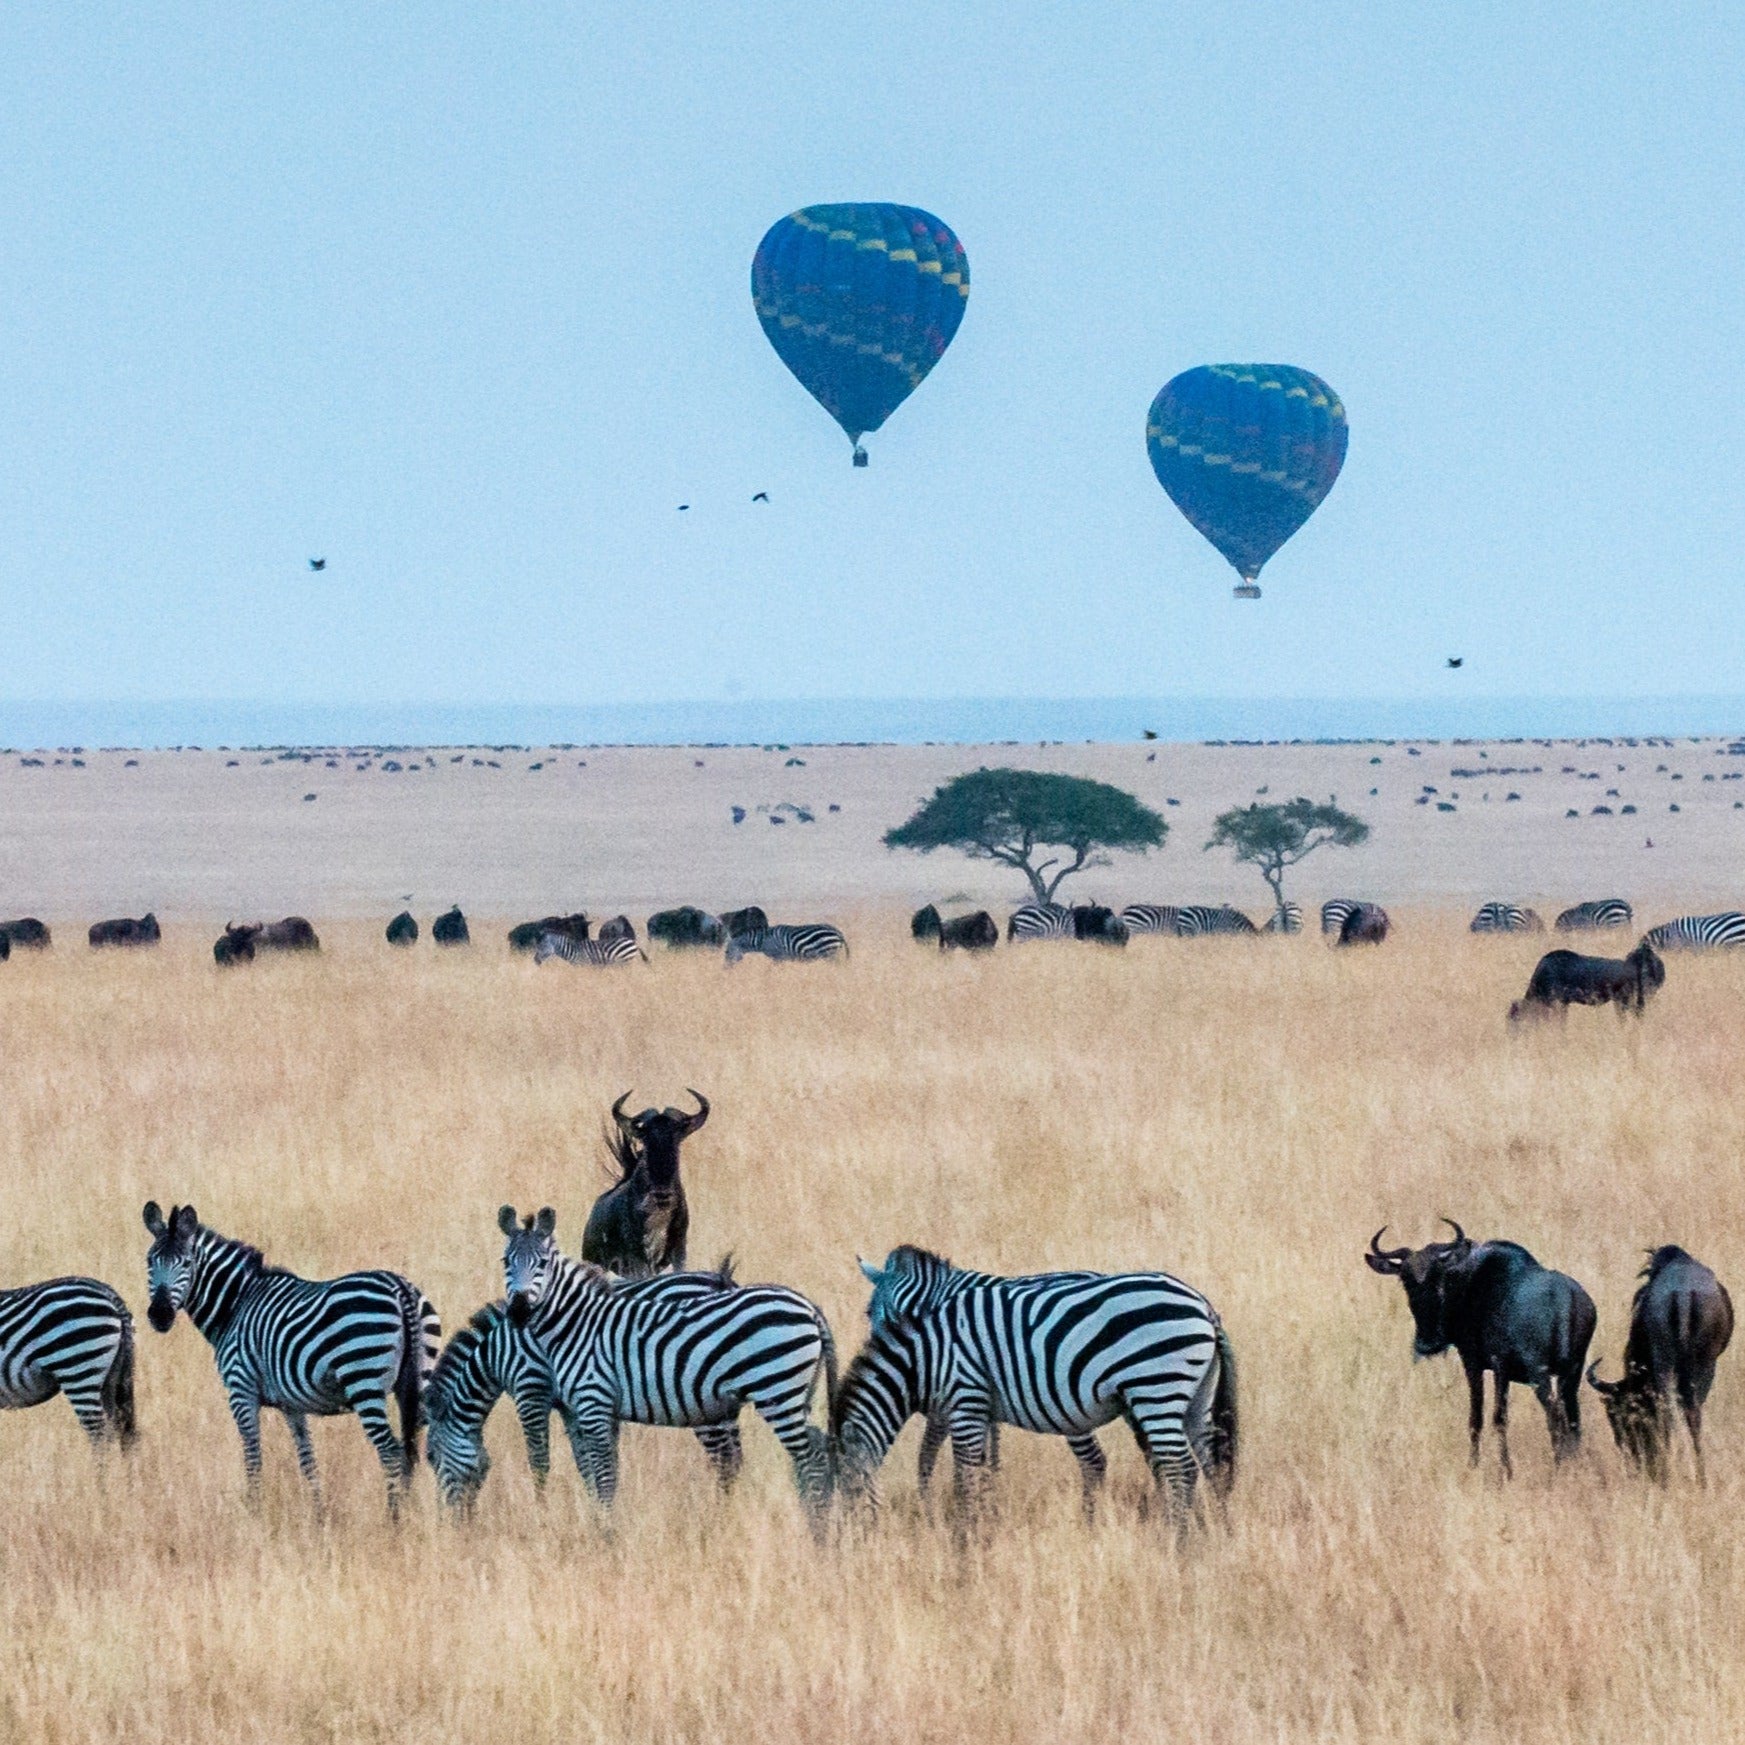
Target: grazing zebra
pixel 1199 919
pixel 305 1347
pixel 1698 932
pixel 808 943
pixel 1061 1354
pixel 1289 919
pixel 1039 921
pixel 1608 912
pixel 1151 917
pixel 662 1351
pixel 1506 918
pixel 1334 912
pixel 70 1336
pixel 490 1357
pixel 618 949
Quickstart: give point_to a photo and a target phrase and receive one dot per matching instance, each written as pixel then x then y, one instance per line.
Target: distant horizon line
pixel 198 722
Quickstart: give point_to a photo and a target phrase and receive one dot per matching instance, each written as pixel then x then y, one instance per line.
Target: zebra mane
pixel 459 1351
pixel 870 1357
pixel 250 1256
pixel 914 1261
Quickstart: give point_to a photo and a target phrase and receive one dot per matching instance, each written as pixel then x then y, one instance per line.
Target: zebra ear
pixel 184 1221
pixel 154 1217
pixel 506 1220
pixel 546 1222
pixel 874 1274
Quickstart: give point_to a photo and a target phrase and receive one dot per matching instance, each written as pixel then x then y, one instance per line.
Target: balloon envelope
pixel 860 302
pixel 1247 452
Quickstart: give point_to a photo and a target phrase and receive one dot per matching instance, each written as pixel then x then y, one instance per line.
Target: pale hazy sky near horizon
pixel 457 297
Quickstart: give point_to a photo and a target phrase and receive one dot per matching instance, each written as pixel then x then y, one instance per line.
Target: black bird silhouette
pixel 1150 733
pixel 683 507
pixel 318 563
pixel 761 497
pixel 1457 660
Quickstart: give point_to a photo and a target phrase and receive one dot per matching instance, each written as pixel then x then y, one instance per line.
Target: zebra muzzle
pixel 161 1312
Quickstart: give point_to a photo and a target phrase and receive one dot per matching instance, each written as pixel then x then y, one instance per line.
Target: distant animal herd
pixel 626 1334
pixel 1560 979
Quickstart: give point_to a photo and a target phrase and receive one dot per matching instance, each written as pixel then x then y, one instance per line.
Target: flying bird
pixel 1455 660
pixel 760 497
pixel 318 563
pixel 683 507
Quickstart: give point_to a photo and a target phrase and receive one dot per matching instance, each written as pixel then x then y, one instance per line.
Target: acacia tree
pixel 1273 838
pixel 1012 815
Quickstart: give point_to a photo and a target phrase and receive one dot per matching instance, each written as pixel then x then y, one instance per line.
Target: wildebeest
pixel 1502 1311
pixel 291 934
pixel 619 927
pixel 403 929
pixel 1095 922
pixel 639 1225
pixel 125 931
pixel 750 919
pixel 235 944
pixel 5 948
pixel 924 924
pixel 977 932
pixel 687 927
pixel 1366 924
pixel 1605 912
pixel 1562 979
pixel 1681 1320
pixel 527 934
pixel 451 928
pixel 27 934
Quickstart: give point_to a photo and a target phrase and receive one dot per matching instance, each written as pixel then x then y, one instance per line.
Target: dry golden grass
pixel 1242 1113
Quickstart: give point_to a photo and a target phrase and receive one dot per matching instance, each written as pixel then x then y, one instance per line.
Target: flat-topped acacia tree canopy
pixel 1012 815
pixel 1277 836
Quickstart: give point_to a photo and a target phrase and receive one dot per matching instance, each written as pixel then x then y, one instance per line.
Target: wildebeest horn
pixel 1381 1253
pixel 693 1122
pixel 1594 1382
pixel 618 1111
pixel 1459 1234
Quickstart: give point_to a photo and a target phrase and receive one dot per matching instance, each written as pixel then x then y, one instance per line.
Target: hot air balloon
pixel 860 302
pixel 1247 452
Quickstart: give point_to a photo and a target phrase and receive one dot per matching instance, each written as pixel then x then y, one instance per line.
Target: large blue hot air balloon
pixel 1247 452
pixel 860 302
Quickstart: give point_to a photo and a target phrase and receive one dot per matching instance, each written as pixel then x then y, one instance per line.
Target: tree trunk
pixel 1044 893
pixel 1275 878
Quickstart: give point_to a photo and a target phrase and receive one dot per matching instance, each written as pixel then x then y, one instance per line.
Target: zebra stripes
pixel 1334 913
pixel 70 1336
pixel 618 949
pixel 1195 920
pixel 1506 918
pixel 809 942
pixel 664 1351
pixel 1039 921
pixel 1607 912
pixel 1059 1354
pixel 1699 932
pixel 1289 919
pixel 304 1347
pixel 1150 917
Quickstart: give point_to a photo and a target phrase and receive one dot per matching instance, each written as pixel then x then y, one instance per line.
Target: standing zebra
pixel 1607 912
pixel 305 1347
pixel 662 1351
pixel 1289 919
pixel 70 1336
pixel 1039 921
pixel 1062 1356
pixel 620 948
pixel 1197 920
pixel 1698 932
pixel 1334 913
pixel 807 943
pixel 1151 917
pixel 1506 918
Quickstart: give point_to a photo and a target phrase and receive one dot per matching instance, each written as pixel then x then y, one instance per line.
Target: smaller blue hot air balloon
pixel 1247 452
pixel 860 302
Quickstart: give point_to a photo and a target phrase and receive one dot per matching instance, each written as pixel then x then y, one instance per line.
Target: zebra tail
pixel 118 1387
pixel 409 1381
pixel 828 1339
pixel 1222 1475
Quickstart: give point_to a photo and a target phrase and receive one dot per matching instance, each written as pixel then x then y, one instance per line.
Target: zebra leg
pixel 533 1408
pixel 594 1441
pixel 299 1425
pixel 974 1441
pixel 86 1399
pixel 810 1453
pixel 934 1431
pixel 372 1412
pixel 725 1450
pixel 1093 1464
pixel 1160 1429
pixel 245 1408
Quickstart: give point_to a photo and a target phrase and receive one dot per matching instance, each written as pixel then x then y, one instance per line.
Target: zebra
pixel 1506 918
pixel 1151 917
pixel 1040 921
pixel 1334 913
pixel 71 1336
pixel 808 943
pixel 1608 912
pixel 490 1357
pixel 1060 1354
pixel 1698 932
pixel 662 1351
pixel 618 949
pixel 1199 919
pixel 303 1346
pixel 1289 919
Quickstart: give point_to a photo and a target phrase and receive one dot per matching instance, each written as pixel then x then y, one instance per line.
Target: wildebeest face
pixel 169 1262
pixel 1424 1274
pixel 527 1260
pixel 1633 1411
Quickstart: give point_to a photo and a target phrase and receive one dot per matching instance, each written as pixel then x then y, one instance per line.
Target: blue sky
pixel 457 297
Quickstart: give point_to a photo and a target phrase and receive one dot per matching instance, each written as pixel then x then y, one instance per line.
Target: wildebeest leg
pixel 1690 1403
pixel 1556 1419
pixel 1093 1464
pixel 1500 1422
pixel 725 1450
pixel 1475 1409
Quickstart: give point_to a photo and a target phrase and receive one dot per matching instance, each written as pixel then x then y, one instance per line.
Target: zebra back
pixel 1199 920
pixel 806 942
pixel 1150 917
pixel 619 949
pixel 1289 919
pixel 1506 918
pixel 1039 921
pixel 1607 912
pixel 1699 932
pixel 1334 913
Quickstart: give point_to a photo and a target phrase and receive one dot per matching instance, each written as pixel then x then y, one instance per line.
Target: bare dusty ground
pixel 203 836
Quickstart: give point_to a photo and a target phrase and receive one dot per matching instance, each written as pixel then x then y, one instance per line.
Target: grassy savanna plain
pixel 1244 1113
